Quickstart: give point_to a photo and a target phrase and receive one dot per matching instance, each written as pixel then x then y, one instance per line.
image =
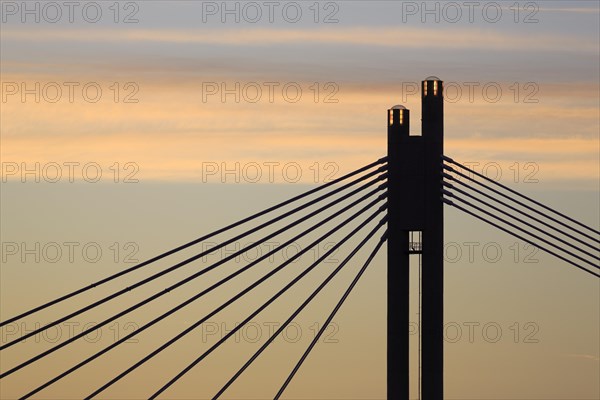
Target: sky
pixel 143 123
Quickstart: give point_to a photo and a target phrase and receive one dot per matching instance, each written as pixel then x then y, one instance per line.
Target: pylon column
pixel 432 285
pixel 398 290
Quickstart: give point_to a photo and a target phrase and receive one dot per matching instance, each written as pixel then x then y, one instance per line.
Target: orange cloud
pixel 403 37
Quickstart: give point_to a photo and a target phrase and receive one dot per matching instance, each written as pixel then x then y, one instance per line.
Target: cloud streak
pixel 394 37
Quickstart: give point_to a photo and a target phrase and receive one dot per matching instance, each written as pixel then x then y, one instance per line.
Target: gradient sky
pixel 371 55
pixel 545 125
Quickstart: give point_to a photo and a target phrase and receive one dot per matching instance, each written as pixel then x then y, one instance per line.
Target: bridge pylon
pixel 416 211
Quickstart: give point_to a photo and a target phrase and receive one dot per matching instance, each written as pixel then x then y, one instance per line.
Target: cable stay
pixel 306 302
pixel 265 305
pixel 203 254
pixel 596 232
pixel 595 265
pixel 453 204
pixel 224 280
pixel 193 242
pixel 331 316
pixel 503 203
pixel 172 287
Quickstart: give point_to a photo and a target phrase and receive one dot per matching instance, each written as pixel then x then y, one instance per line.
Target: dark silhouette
pixel 410 186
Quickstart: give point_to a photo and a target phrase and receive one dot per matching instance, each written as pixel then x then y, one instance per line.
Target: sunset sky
pixel 546 112
pixel 290 97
